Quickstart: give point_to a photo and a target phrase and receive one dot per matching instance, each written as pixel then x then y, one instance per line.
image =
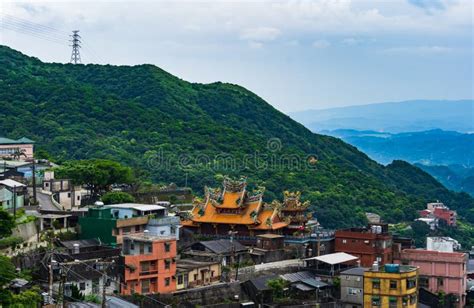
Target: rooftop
pixel 399 269
pixel 22 140
pixel 335 258
pixel 223 246
pixel 136 206
pixel 356 271
pixel 82 243
pixel 184 265
pixel 149 237
pixel 11 183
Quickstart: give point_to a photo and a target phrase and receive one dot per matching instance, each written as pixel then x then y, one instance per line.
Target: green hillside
pixel 165 128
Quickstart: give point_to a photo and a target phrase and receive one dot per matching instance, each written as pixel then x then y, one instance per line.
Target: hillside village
pixel 70 239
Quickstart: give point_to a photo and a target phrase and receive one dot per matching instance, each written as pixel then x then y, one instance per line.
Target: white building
pixel 442 244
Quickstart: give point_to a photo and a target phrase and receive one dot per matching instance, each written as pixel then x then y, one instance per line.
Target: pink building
pixel 17 149
pixel 439 271
pixel 440 211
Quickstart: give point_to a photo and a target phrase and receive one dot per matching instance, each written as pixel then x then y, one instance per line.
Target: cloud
pixel 321 44
pixel 419 50
pixel 260 34
pixel 351 41
pixel 428 4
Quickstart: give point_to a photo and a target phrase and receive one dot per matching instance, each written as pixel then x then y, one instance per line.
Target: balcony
pixel 127 222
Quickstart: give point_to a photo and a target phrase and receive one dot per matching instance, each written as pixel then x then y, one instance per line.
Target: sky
pixel 296 55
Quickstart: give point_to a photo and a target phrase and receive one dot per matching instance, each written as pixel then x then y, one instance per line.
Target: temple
pixel 234 208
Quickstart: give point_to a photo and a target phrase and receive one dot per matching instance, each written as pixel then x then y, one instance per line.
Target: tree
pixel 116 197
pixel 7 223
pixel 76 294
pixel 7 270
pixel 278 287
pixel 97 174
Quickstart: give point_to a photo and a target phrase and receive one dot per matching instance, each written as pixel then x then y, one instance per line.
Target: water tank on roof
pixel 392 268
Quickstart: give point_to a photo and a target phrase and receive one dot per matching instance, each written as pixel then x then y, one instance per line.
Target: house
pixel 305 285
pixel 234 209
pixel 65 194
pixel 391 285
pixel 193 273
pixel 257 289
pixel 112 222
pixel 370 244
pixel 440 271
pixel 269 248
pixel 84 263
pixel 441 212
pixel 16 149
pixel 12 194
pixel 225 251
pixel 352 287
pixel 149 264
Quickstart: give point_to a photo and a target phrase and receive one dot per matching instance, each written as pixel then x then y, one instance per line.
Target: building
pixel 391 285
pixel 12 194
pixel 84 264
pixel 235 209
pixel 149 264
pixel 111 223
pixel 370 244
pixel 269 248
pixel 441 212
pixel 331 264
pixel 352 287
pixel 296 212
pixel 440 271
pixel 16 149
pixel 225 251
pixel 193 273
pixel 442 244
pixel 65 194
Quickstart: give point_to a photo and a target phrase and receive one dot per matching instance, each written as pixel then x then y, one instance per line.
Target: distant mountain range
pixel 446 155
pixel 395 117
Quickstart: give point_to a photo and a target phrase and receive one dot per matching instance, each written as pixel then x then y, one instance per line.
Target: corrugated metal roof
pixel 223 246
pixel 11 183
pixel 335 258
pixel 356 271
pixel 298 276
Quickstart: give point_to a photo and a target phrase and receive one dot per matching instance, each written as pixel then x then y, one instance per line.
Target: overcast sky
pixel 295 54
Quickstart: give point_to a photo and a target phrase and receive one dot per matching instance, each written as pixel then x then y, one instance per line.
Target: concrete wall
pixel 27 231
pixel 352 284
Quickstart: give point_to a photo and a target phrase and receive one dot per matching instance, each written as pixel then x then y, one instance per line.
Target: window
pixel 212 273
pixel 137 228
pixel 146 286
pixel 440 282
pixel 126 230
pixel 167 247
pixel 376 283
pixel 132 246
pixel 405 300
pixel 344 241
pixel 167 264
pixel 411 283
pixel 392 302
pixel 82 286
pixel 353 291
pixel 376 301
pixel 424 282
pixel 69 195
pixel 393 284
pixel 145 267
pixel 413 299
pixel 180 279
pixel 78 198
pixel 167 281
pixel 195 277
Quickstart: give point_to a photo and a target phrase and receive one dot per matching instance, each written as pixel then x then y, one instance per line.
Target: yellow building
pixel 390 286
pixel 193 273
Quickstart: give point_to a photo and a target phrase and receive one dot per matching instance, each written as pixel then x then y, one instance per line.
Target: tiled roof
pixel 22 140
pixel 223 246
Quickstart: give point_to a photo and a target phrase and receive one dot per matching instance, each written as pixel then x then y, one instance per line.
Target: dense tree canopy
pixel 116 197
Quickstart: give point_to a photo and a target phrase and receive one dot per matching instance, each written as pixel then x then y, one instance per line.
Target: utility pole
pixel 51 278
pixel 33 170
pixel 76 45
pixel 14 200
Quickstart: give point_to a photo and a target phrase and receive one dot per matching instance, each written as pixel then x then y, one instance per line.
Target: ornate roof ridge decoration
pixel 257 194
pixel 231 185
pixel 292 200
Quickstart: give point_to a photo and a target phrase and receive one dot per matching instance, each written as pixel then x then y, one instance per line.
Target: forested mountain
pixel 169 130
pixel 395 117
